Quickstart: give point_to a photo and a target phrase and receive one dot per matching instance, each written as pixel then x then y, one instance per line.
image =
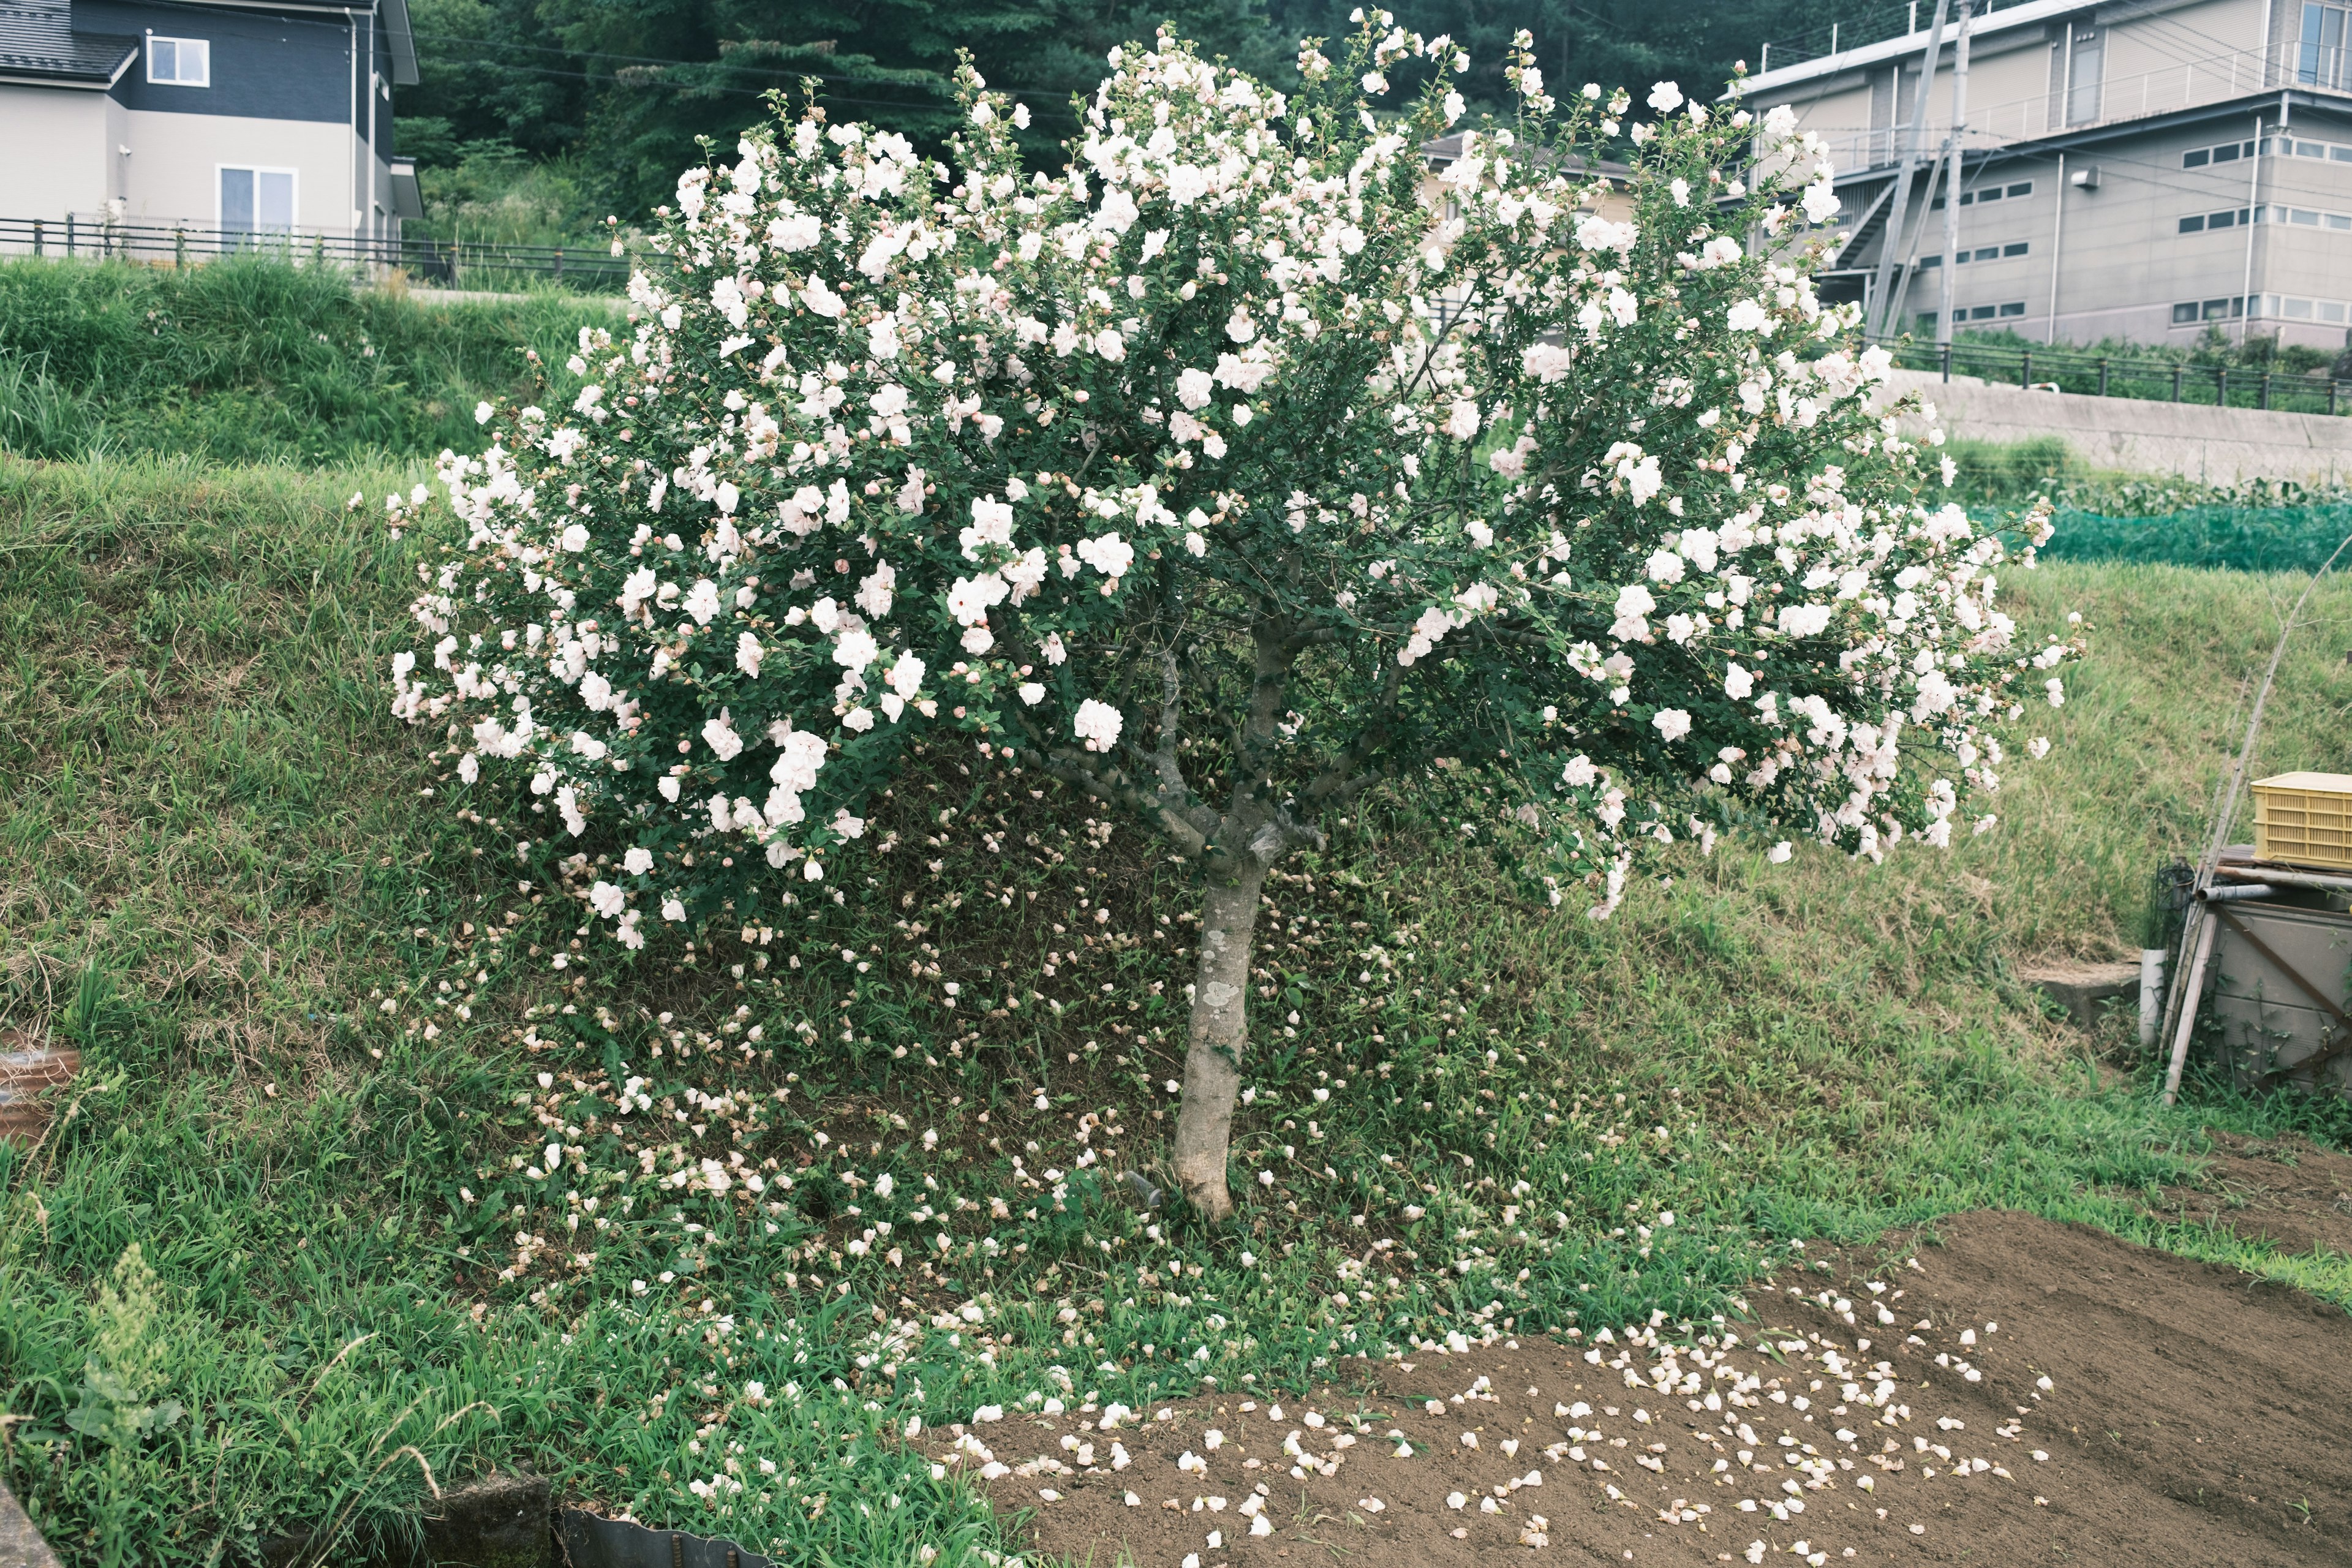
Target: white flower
pixel 1671 724
pixel 1194 388
pixel 1664 566
pixel 1780 853
pixel 1462 423
pixel 1747 316
pixel 607 900
pixel 1097 724
pixel 855 650
pixel 969 600
pixel 1032 693
pixel 991 523
pixel 747 655
pixel 1821 202
pixel 820 299
pixel 639 860
pixel 1738 683
pixel 2057 691
pixel 482 411
pixel 719 735
pixel 2038 747
pixel 1109 554
pixel 1666 98
pixel 702 601
pixel 1579 772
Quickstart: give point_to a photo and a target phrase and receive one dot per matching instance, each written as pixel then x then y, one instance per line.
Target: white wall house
pixel 239 121
pixel 2138 170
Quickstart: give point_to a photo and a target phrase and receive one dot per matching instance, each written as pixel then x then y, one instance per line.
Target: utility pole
pixel 1881 306
pixel 1952 175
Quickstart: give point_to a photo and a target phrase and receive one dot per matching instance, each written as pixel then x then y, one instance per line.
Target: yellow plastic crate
pixel 2305 819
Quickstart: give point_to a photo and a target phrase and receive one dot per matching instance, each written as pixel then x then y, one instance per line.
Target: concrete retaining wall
pixel 2221 446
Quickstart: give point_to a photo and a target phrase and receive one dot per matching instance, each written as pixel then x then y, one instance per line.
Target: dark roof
pixel 37 39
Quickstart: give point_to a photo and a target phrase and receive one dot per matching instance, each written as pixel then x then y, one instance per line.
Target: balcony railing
pixel 1871 27
pixel 2187 85
pixel 454 264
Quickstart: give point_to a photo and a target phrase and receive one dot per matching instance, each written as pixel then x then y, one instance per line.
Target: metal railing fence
pixel 2148 377
pixel 446 263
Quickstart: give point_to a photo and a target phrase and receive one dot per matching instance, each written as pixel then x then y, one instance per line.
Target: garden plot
pixel 2021 1389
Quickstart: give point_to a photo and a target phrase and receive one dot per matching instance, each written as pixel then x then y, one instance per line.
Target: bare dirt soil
pixel 2190 1415
pixel 2288 1192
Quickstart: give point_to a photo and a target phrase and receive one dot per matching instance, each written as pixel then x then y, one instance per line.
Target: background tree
pixel 1237 469
pixel 628 86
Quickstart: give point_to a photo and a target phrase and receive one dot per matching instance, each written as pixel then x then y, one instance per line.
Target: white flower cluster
pixel 895 448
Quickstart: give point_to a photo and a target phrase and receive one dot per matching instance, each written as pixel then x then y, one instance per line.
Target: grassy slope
pixel 205 804
pixel 254 361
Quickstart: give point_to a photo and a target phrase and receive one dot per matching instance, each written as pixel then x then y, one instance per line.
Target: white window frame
pixel 294 200
pixel 203 48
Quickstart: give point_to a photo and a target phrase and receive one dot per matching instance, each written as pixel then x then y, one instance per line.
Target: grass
pixel 329 1044
pixel 247 361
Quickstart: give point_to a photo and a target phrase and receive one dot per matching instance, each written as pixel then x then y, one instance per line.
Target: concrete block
pixel 21 1545
pixel 2195 441
pixel 2083 988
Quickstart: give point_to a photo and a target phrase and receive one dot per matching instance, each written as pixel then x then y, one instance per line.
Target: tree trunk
pixel 1220 1029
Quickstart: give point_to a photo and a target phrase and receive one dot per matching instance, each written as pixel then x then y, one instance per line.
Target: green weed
pixel 250 360
pixel 301 1250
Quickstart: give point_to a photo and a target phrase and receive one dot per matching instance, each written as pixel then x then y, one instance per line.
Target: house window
pixel 2184 315
pixel 180 62
pixel 255 202
pixel 2320 60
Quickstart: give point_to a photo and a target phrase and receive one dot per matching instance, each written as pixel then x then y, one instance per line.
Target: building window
pixel 2302 217
pixel 2227 152
pixel 2184 315
pixel 180 62
pixel 253 203
pixel 2084 71
pixel 2320 61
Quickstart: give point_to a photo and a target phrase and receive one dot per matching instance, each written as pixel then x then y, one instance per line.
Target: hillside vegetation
pixel 300 1244
pixel 252 361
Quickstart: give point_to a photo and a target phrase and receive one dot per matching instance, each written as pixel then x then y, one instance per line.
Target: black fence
pixel 446 263
pixel 2149 378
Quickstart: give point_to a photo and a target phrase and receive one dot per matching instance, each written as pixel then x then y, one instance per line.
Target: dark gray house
pixel 2140 168
pixel 248 118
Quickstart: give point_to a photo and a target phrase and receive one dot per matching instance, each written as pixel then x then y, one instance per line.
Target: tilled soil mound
pixel 2022 1391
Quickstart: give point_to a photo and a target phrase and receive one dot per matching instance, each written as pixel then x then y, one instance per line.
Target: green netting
pixel 2239 538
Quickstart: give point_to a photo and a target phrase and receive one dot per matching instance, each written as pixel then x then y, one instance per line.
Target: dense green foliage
pixel 254 359
pixel 2241 538
pixel 219 848
pixel 628 88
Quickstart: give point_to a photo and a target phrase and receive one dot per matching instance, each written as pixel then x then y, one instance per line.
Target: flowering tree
pixel 1234 468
